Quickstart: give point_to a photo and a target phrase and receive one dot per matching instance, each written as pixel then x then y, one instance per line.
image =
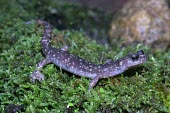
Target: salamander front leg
pixel 109 60
pixel 37 75
pixel 64 48
pixel 93 82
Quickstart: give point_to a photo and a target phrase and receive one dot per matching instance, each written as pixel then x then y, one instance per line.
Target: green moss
pixel 142 89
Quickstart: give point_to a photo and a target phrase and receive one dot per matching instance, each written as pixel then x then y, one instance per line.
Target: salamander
pixel 78 66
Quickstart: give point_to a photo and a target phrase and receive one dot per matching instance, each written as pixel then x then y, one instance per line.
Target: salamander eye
pixel 135 57
pixel 141 52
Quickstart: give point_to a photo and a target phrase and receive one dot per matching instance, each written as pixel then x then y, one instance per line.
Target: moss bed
pixel 145 88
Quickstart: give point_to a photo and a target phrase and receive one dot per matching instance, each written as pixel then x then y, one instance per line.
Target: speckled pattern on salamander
pixel 76 65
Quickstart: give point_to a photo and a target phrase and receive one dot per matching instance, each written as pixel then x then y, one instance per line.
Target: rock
pixel 143 21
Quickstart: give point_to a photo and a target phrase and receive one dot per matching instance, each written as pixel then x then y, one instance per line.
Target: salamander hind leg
pixel 37 75
pixel 93 82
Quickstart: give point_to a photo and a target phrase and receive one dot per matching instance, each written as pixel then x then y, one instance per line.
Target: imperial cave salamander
pixel 76 65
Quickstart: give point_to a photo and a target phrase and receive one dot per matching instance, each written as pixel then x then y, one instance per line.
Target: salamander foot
pixel 36 75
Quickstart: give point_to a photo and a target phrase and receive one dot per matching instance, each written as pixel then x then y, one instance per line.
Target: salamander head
pixel 135 59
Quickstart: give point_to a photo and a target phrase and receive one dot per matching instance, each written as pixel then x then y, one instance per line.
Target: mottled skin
pixel 76 65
